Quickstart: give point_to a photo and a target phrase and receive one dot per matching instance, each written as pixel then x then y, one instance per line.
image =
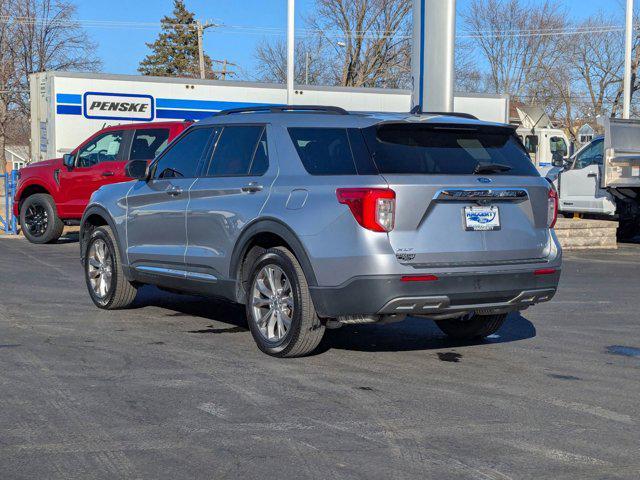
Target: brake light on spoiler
pixel 373 208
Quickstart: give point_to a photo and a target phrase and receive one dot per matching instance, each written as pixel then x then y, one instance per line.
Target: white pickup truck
pixel 603 177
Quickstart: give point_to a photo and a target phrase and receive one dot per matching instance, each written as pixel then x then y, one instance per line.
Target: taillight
pixel 418 278
pixel 552 208
pixel 373 208
pixel 545 271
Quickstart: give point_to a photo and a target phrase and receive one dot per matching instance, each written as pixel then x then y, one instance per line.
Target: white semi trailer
pixel 66 108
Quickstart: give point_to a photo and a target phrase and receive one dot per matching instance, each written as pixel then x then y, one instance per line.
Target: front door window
pixel 103 148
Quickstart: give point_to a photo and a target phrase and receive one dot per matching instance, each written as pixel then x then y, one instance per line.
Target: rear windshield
pixel 440 149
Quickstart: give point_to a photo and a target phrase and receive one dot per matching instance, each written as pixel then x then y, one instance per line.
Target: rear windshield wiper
pixel 484 167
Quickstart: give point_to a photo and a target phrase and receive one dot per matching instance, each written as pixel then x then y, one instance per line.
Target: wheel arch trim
pixel 275 227
pixel 106 216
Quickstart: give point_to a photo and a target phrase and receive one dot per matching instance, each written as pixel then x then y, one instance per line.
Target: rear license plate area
pixel 482 218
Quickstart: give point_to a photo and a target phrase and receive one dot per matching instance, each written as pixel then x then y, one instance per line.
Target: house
pixel 16 156
pixel 586 134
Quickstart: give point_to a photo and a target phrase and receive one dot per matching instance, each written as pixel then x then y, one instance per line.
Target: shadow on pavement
pixel 192 306
pixel 411 334
pixel 69 237
pixel 416 334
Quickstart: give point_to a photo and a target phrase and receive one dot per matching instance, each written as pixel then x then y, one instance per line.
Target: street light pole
pixel 434 32
pixel 291 38
pixel 628 49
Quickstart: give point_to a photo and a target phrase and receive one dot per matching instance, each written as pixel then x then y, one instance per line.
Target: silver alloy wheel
pixel 100 268
pixel 272 302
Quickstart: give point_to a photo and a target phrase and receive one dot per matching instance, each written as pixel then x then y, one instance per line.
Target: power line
pixel 309 32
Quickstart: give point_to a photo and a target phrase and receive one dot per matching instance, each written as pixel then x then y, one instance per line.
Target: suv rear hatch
pixel 466 194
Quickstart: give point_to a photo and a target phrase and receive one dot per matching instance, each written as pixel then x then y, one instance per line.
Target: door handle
pixel 108 174
pixel 592 174
pixel 173 191
pixel 252 187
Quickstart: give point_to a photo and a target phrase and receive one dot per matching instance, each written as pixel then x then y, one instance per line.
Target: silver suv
pixel 314 218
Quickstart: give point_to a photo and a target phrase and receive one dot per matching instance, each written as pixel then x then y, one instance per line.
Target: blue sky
pixel 121 49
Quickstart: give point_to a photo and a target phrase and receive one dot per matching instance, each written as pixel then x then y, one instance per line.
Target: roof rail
pixel 286 108
pixel 416 111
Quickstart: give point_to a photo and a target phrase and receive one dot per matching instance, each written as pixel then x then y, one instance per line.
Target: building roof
pixel 19 151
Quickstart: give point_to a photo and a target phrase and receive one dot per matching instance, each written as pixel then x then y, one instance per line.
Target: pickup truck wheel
pixel 39 219
pixel 472 326
pixel 280 313
pixel 108 287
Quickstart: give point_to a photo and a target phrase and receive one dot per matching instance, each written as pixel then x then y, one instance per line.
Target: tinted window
pixel 235 150
pixel 103 148
pixel 260 162
pixel 181 160
pixel 531 143
pixel 433 149
pixel 148 143
pixel 324 151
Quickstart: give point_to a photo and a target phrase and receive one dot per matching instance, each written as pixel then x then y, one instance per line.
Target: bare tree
pixel 370 37
pixel 35 35
pixel 468 76
pixel 310 63
pixel 635 80
pixel 7 79
pixel 49 38
pixel 358 43
pixel 507 33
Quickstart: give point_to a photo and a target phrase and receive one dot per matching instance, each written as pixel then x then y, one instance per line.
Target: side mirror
pixel 69 160
pixel 136 169
pixel 557 159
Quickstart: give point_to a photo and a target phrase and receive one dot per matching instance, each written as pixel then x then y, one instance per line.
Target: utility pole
pixel 224 72
pixel 201 28
pixel 626 111
pixel 306 68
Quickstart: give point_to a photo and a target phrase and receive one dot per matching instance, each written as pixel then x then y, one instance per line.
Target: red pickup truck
pixel 53 193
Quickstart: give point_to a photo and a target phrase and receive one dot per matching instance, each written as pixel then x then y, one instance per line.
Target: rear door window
pixel 406 148
pixel 260 162
pixel 236 149
pixel 148 143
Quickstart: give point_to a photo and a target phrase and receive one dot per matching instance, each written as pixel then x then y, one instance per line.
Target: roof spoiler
pixel 417 110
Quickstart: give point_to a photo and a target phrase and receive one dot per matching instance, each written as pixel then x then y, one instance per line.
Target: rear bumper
pixel 449 295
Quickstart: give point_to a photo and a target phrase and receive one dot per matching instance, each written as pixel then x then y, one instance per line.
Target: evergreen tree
pixel 175 52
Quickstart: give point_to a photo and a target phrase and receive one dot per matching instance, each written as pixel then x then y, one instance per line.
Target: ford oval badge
pixel 484 180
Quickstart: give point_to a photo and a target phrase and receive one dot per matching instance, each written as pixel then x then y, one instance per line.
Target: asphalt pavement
pixel 175 387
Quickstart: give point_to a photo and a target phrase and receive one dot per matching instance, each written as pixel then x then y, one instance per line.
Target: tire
pixel 293 305
pixel 39 219
pixel 476 326
pixel 119 292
